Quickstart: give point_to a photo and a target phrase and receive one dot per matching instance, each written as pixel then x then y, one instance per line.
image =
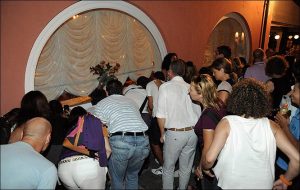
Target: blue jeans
pixel 126 160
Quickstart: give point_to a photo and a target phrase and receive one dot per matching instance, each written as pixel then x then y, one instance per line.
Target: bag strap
pixel 79 131
pixel 139 87
pixel 143 105
pixel 213 116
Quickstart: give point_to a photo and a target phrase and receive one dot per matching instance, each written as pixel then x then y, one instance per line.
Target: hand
pixel 270 86
pixel 208 172
pixel 93 154
pixel 282 120
pixel 198 173
pixel 278 185
pixel 162 138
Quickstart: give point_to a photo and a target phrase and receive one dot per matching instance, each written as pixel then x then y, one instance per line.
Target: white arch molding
pixel 242 21
pixel 78 8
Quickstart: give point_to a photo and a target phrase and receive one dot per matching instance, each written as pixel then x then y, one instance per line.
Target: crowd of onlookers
pixel 242 118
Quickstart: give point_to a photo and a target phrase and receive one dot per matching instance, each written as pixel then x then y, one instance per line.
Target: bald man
pixel 22 165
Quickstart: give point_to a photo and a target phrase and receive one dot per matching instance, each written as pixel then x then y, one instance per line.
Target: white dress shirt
pixel 137 94
pixel 175 104
pixel 152 90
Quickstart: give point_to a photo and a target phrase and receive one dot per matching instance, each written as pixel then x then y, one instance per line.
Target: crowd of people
pixel 241 121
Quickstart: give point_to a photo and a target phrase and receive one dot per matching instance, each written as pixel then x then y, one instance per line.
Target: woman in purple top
pixel 83 163
pixel 203 90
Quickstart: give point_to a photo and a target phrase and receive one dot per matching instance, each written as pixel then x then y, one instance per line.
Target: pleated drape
pixel 87 39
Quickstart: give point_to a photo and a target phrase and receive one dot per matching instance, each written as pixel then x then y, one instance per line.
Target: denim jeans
pixel 126 160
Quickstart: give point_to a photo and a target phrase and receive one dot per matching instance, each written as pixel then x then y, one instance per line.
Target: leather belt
pixel 181 129
pixel 128 133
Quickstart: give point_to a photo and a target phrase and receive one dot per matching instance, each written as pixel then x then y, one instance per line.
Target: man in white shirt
pixel 177 114
pixel 139 95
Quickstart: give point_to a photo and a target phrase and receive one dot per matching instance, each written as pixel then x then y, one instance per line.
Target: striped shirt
pixel 120 113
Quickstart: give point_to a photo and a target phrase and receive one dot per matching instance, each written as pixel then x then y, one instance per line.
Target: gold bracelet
pixel 285 181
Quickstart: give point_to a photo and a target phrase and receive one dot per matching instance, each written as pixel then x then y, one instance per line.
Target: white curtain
pixel 87 39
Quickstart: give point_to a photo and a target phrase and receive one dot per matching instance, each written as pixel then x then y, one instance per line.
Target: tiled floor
pixel 148 180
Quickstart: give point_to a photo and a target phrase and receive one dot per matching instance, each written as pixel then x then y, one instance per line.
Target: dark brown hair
pixel 276 65
pixel 33 104
pixel 224 63
pixel 249 98
pixel 178 67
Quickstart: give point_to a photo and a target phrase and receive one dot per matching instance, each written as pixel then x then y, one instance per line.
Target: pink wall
pixel 184 25
pixel 21 24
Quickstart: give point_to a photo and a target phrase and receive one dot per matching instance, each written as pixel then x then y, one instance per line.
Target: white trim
pixel 242 21
pixel 75 9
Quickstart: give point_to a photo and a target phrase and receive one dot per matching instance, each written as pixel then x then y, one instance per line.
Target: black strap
pixel 213 116
pixel 143 105
pixel 139 87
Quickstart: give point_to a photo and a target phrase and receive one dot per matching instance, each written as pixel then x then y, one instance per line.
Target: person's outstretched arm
pixel 284 144
pixel 220 137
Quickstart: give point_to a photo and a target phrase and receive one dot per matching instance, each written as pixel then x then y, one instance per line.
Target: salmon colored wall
pixel 184 25
pixel 21 24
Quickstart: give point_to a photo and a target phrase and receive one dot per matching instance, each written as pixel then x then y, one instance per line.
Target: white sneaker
pixel 157 171
pixel 176 173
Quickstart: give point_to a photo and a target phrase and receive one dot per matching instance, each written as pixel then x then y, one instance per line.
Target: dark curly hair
pixel 276 65
pixel 249 98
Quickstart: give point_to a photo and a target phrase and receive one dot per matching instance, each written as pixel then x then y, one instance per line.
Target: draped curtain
pixel 87 39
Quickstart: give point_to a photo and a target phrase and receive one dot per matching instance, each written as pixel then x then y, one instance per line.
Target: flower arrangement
pixel 105 71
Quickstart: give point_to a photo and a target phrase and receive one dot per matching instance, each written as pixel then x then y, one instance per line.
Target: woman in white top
pixel 223 71
pixel 245 143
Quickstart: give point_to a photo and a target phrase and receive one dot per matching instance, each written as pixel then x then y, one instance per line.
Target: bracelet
pixel 285 181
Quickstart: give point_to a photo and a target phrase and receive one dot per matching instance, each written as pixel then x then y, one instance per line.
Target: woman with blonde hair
pixel 203 90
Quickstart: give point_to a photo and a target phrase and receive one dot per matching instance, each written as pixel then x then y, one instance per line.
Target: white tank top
pixel 247 159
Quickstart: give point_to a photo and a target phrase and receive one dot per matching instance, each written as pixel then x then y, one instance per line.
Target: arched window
pixel 83 35
pixel 231 30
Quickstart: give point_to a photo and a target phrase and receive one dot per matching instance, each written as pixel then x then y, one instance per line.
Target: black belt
pixel 129 133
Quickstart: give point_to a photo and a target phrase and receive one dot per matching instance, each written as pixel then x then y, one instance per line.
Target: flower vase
pixel 100 85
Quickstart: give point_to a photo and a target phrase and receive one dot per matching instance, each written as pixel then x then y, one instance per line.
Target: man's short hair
pixel 142 81
pixel 225 50
pixel 178 67
pixel 159 75
pixel 114 87
pixel 258 54
pixel 97 95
